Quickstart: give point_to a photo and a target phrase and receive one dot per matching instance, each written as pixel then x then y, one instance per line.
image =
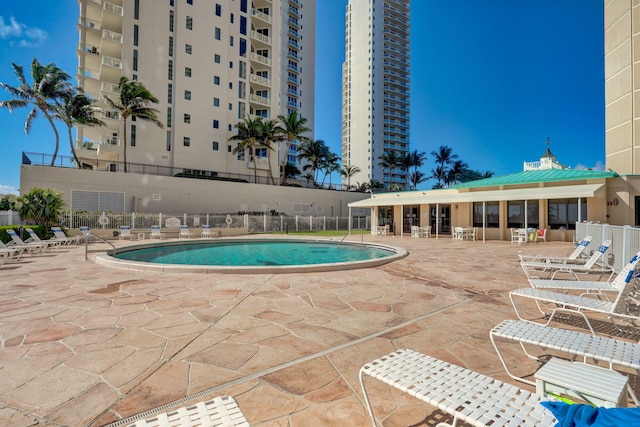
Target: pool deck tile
pixel 86 345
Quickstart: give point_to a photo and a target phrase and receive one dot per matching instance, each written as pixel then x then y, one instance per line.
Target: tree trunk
pixel 55 130
pixel 124 142
pixel 73 150
pixel 284 160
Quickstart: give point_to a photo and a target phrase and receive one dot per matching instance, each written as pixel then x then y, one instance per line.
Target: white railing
pixel 260 58
pixel 113 8
pixel 261 15
pixel 625 241
pixel 112 62
pixel 89 23
pixel 261 80
pixel 265 39
pixel 259 100
pixel 265 222
pixel 112 35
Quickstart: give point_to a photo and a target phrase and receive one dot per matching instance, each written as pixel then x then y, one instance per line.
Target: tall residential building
pixel 375 89
pixel 622 85
pixel 211 64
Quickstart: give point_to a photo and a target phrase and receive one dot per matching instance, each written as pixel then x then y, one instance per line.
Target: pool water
pixel 256 253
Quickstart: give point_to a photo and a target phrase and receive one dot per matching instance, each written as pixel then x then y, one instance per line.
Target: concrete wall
pixel 179 195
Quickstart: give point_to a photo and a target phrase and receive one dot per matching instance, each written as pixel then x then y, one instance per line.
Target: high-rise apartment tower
pixel 211 64
pixel 375 89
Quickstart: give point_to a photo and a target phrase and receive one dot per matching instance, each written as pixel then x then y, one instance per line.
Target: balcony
pixel 292 79
pixel 261 59
pixel 109 87
pixel 262 16
pixel 261 37
pixel 260 80
pixel 87 48
pixel 89 23
pixel 293 92
pixel 294 11
pixel 293 54
pixel 293 43
pixel 109 115
pixel 113 8
pixel 292 104
pixel 262 100
pixel 112 62
pixel 293 21
pixel 112 36
pixel 87 72
pixel 293 67
pixel 293 32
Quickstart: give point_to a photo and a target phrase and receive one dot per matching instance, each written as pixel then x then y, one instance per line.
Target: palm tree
pixel 349 171
pixel 271 133
pixel 77 109
pixel 330 164
pixel 440 175
pixel 293 126
pixel 48 86
pixel 458 168
pixel 416 177
pixel 133 101
pixel 249 137
pixel 314 151
pixel 390 159
pixel 443 156
pixel 290 171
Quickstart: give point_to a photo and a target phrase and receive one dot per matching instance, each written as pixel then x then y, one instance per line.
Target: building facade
pixel 621 71
pixel 211 64
pixel 375 89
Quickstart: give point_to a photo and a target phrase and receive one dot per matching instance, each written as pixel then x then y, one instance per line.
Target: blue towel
pixel 580 415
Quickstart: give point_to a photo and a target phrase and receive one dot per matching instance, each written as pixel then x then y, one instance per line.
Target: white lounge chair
pixel 575 344
pixel 84 234
pixel 13 252
pixel 577 252
pixel 206 232
pixel 155 233
pixel 468 396
pixel 58 234
pixel 31 247
pixel 33 237
pixel 589 287
pixel 625 307
pixel 220 411
pixel 574 268
pixel 185 233
pixel 125 232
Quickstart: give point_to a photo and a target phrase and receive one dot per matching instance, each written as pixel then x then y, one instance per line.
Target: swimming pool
pixel 252 256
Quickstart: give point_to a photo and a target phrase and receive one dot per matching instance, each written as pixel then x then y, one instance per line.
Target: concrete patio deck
pixel 82 344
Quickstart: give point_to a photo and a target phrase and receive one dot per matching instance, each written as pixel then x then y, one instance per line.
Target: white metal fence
pixel 625 241
pixel 9 218
pixel 251 223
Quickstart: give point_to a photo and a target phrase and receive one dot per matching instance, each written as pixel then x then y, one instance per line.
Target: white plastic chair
pixel 207 233
pixel 185 233
pixel 155 233
pixel 125 232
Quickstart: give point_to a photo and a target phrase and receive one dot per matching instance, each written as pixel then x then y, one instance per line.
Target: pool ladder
pixel 86 245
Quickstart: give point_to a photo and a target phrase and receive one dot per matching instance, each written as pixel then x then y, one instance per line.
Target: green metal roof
pixel 533 177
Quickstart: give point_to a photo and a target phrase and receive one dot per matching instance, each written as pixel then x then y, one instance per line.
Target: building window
pixel 243 47
pixel 231 17
pixel 135 60
pixel 230 64
pixel 187 95
pixel 230 85
pixel 169 115
pixel 229 127
pixel 515 214
pixel 171 21
pixel 190 2
pixel 214 146
pixel 230 107
pixel 243 25
pixel 170 93
pixel 218 10
pixel 189 23
pixel 133 135
pixel 136 9
pixel 188 49
pixel 218 33
pixel 492 211
pixel 135 35
pixel 170 73
pixel 243 6
pixel 187 72
pixel 171 3
pixel 187 118
pixel 230 40
pixel 216 80
pixel 229 150
pixel 563 213
pixel 216 124
pixel 216 102
pixel 170 46
pixel 186 141
pixel 216 58
pixel 168 140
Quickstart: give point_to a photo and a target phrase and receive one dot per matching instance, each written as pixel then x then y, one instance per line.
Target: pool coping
pixel 109 261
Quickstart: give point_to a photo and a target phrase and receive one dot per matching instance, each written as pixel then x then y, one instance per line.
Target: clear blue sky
pixel 491 79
